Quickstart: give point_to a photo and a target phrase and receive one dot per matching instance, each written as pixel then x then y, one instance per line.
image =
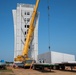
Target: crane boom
pixel 30 31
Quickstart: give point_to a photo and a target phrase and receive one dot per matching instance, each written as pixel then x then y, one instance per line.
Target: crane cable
pixel 48 1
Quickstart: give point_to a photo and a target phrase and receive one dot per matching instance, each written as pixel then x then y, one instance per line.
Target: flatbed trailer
pixel 64 64
pixel 42 66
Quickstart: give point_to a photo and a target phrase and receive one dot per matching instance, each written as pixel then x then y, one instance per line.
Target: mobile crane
pixel 24 57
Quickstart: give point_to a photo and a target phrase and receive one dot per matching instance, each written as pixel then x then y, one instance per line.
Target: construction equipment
pixel 24 57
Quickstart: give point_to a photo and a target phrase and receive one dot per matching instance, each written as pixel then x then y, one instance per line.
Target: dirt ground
pixel 36 72
pixel 21 71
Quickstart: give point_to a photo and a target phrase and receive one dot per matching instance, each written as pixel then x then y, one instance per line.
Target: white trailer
pixel 59 60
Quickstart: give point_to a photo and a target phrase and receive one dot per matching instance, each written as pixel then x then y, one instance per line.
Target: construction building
pixel 21 16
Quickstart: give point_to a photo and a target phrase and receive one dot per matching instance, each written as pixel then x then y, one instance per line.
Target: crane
pixel 24 55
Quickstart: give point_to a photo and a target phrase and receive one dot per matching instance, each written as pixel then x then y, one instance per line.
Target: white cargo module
pixel 21 16
pixel 55 57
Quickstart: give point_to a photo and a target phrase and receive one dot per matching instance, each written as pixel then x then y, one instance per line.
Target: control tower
pixel 21 17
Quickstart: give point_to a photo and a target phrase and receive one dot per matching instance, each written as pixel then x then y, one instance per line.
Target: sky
pixel 62 26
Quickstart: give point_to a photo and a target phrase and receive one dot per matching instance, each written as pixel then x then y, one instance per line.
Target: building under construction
pixel 21 16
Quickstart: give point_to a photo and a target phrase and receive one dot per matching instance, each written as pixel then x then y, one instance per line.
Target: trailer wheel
pixel 63 67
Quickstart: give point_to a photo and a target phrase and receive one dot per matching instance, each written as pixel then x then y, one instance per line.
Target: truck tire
pixel 63 67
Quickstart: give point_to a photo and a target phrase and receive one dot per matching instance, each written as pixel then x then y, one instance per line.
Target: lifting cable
pixel 48 7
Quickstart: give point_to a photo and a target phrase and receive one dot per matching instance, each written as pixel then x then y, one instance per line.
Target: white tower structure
pixel 21 16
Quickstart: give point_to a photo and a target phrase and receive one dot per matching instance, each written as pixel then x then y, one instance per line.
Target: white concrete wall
pixel 19 30
pixel 14 18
